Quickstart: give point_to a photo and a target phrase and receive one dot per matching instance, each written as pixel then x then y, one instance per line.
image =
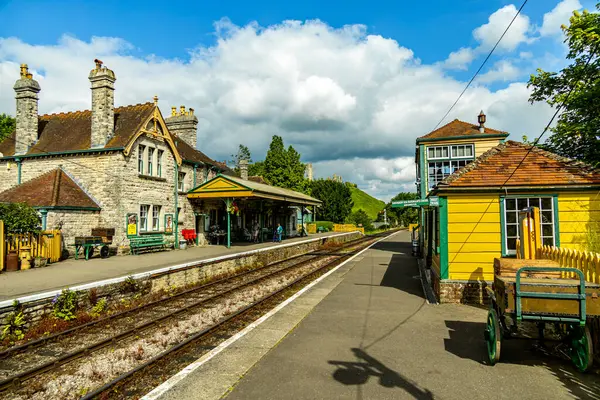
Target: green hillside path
pixel 366 202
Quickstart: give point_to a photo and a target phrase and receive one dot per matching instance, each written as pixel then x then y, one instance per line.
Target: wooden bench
pixel 147 242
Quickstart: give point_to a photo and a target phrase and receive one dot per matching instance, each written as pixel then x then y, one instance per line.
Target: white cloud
pixel 346 100
pixel 501 71
pixel 558 16
pixel 460 59
pixel 488 34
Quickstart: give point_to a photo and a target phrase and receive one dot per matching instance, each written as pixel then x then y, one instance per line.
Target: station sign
pixel 428 202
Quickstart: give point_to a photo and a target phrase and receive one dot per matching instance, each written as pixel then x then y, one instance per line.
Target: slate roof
pixel 459 129
pixel 62 192
pixel 72 131
pixel 540 168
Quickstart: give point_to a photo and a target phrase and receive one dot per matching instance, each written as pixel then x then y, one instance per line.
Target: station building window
pixel 512 206
pixel 448 159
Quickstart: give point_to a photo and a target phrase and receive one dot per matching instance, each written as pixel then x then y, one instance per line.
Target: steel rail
pixel 55 363
pixel 208 330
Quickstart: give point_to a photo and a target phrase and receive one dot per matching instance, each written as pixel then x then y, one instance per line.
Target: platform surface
pixel 366 332
pixel 76 272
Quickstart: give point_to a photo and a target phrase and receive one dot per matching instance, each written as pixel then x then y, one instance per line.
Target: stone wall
pixel 463 292
pixel 72 223
pixel 188 275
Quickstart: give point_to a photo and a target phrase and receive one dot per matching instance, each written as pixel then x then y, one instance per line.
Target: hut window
pixel 437 152
pixel 512 206
pixel 141 150
pixel 144 217
pixel 150 159
pixel 462 151
pixel 159 157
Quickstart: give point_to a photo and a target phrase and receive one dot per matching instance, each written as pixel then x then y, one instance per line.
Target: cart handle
pixel 580 297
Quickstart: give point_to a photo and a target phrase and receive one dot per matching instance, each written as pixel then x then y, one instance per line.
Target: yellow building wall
pixel 474 236
pixel 578 214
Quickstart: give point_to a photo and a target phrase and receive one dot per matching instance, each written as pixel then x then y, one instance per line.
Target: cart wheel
pixel 90 252
pixel 104 252
pixel 493 336
pixel 582 353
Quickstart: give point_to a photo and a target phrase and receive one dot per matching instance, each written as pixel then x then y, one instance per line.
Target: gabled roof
pixel 460 130
pixel 231 186
pixel 530 166
pixel 54 189
pixel 72 131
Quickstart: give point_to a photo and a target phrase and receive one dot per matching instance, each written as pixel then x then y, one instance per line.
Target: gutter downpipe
pixel 18 161
pixel 176 219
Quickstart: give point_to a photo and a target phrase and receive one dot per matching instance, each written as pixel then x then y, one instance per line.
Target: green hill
pixel 368 203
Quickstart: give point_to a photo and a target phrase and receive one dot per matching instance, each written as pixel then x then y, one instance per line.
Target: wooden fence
pixel 46 244
pixel 585 261
pixel 347 228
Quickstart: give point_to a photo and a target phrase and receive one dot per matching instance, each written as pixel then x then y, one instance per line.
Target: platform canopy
pixel 224 186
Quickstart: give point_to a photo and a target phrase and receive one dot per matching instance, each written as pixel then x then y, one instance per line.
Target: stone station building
pixel 97 168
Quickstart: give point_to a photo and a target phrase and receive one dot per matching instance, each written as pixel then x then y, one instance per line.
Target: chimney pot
pixel 173 111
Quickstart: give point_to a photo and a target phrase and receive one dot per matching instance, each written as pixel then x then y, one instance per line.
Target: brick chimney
pixel 183 124
pixel 103 104
pixel 26 89
pixel 243 164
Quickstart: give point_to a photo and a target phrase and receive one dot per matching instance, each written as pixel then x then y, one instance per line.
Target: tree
pixel 405 215
pixel 336 198
pixel 360 218
pixel 7 126
pixel 576 134
pixel 19 218
pixel 257 169
pixel 243 153
pixel 283 167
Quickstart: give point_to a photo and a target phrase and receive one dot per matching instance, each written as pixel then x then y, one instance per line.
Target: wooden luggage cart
pixel 100 238
pixel 544 295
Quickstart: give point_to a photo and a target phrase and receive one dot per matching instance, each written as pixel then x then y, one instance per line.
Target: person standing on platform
pixel 279 232
pixel 255 231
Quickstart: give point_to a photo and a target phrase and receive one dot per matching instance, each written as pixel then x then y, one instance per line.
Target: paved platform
pixel 367 332
pixel 73 272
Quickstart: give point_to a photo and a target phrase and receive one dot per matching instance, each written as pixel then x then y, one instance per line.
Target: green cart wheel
pixel 582 353
pixel 493 336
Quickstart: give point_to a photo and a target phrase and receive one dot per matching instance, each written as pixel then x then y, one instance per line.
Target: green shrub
pixel 99 308
pixel 65 305
pixel 14 328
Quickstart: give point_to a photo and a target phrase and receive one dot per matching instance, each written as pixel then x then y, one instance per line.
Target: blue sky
pixel 350 92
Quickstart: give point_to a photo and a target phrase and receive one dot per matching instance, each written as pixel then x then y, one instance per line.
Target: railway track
pixel 51 354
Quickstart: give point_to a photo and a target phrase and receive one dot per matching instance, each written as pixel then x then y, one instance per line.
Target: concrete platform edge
pixel 145 274
pixel 162 391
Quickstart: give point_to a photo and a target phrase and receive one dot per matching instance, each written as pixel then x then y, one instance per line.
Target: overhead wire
pixel 482 65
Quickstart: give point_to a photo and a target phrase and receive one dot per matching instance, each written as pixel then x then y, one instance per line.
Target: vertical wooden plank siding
pixel 443 235
pixel 474 236
pixel 578 213
pixel 481 146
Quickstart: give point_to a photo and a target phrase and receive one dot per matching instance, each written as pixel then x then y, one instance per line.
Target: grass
pixel 366 202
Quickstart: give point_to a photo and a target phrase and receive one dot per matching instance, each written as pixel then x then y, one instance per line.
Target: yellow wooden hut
pixel 477 217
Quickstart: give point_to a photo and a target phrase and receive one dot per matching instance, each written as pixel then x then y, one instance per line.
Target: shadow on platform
pixel 466 341
pixel 359 372
pixel 393 247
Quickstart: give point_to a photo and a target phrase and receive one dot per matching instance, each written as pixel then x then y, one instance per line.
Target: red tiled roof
pixel 458 128
pixel 52 189
pixel 529 166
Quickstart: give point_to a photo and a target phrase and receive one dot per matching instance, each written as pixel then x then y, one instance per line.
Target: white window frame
pixel 156 212
pixel 429 148
pixel 150 156
pixel 545 222
pixel 464 146
pixel 181 181
pixel 141 153
pixel 144 209
pixel 159 156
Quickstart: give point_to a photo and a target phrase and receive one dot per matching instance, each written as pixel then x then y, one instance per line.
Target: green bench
pixel 146 242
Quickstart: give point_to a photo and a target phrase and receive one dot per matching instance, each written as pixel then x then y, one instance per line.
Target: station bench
pixel 147 243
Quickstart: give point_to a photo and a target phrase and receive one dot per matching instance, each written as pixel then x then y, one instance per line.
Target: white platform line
pixel 169 383
pixel 146 274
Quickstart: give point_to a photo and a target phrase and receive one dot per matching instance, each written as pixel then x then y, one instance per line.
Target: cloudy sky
pixel 349 84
